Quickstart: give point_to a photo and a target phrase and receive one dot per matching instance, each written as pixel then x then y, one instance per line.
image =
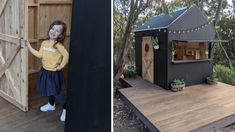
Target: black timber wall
pixel 89 74
pixel 192 73
pixel 138 53
pixel 160 55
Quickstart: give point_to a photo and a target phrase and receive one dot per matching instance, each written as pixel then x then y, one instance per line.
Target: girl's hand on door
pixel 27 44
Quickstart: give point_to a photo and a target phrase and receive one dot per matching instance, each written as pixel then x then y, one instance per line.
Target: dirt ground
pixel 124 119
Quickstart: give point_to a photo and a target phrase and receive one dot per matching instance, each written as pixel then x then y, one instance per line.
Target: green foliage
pixel 154 41
pixel 129 70
pixel 178 82
pixel 225 28
pixel 225 74
pixel 213 77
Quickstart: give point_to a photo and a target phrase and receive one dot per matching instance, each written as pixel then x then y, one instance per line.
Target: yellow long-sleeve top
pixel 52 57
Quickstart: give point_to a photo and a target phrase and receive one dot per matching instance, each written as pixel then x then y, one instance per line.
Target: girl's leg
pixel 64 106
pixel 51 100
pixel 61 99
pixel 50 105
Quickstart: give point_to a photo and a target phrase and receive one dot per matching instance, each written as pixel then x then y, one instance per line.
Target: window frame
pixel 210 45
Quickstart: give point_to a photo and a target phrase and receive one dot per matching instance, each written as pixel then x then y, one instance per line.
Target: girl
pixel 54 57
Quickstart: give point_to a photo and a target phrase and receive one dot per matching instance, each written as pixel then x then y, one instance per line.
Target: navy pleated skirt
pixel 50 82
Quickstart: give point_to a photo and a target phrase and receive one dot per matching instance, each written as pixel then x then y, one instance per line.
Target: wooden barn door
pixel 13 55
pixel 147 59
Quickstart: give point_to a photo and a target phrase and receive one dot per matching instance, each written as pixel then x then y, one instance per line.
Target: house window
pixel 184 50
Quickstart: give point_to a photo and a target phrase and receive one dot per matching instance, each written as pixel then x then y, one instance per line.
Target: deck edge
pixel 124 83
pixel 217 124
pixel 150 126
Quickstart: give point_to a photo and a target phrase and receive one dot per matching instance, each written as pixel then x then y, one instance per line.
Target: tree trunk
pixel 217 15
pixel 121 60
pixel 200 4
pixel 226 54
pixel 233 38
pixel 136 7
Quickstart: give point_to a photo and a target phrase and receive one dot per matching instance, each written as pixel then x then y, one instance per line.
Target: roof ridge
pixel 162 21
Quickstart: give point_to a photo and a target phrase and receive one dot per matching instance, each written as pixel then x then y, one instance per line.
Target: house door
pixel 13 55
pixel 147 59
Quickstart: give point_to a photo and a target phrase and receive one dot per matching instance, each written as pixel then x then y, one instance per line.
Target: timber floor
pixel 201 107
pixel 14 120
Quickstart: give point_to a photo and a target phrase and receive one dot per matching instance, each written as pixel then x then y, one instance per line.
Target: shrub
pixel 213 77
pixel 225 74
pixel 177 85
pixel 129 70
pixel 178 82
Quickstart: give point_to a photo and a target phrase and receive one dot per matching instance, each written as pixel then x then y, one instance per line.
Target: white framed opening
pixel 190 51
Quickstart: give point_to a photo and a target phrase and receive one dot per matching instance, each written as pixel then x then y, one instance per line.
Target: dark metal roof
pixel 162 21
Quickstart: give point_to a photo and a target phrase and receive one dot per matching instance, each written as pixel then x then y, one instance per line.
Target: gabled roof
pixel 161 21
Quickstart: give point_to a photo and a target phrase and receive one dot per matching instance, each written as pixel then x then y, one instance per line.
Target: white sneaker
pixel 63 114
pixel 47 107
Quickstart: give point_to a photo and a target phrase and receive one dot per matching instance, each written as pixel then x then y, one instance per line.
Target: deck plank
pixel 197 107
pixel 12 119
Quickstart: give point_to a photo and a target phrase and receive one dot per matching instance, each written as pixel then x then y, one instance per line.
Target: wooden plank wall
pixel 41 13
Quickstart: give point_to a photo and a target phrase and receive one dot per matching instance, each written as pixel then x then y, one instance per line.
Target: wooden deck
pixel 197 108
pixel 14 120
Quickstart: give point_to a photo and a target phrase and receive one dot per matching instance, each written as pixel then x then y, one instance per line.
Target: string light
pixel 189 30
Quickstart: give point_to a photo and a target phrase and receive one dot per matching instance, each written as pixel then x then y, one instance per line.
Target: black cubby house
pixel 184 39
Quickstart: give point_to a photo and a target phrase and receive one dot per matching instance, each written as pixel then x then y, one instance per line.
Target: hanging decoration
pixel 146 47
pixel 155 42
pixel 189 30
